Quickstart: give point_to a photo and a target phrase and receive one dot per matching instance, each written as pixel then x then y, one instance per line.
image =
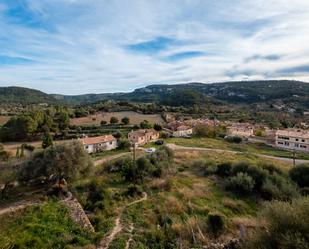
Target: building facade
pixel 293 139
pixel 98 144
pixel 182 131
pixel 141 137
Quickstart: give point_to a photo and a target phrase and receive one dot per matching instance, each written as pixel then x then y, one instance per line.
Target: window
pixel 303 140
pixel 286 143
pixel 285 138
pixel 86 146
pixel 296 145
pixel 296 139
pixel 110 143
pixel 280 142
pixel 303 146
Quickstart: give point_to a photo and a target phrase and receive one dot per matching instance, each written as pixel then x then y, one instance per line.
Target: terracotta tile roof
pixel 97 140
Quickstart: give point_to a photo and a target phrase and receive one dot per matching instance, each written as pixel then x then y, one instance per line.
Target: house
pixel 182 131
pixel 98 144
pixel 141 137
pixel 241 130
pixel 293 139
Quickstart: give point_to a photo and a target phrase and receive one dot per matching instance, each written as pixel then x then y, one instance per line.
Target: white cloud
pixel 81 46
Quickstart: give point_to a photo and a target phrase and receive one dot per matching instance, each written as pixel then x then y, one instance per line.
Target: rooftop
pixel 97 140
pixel 293 133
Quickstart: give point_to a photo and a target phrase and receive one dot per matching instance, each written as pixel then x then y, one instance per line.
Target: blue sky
pixel 83 46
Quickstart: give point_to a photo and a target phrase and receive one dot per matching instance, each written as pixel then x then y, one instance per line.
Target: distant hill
pixel 232 92
pixel 24 96
pixel 85 98
pixel 242 92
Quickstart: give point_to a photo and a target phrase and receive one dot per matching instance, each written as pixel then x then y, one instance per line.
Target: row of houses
pixel 289 139
pixel 109 142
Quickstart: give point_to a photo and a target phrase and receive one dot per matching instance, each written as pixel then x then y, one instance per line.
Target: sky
pixel 96 46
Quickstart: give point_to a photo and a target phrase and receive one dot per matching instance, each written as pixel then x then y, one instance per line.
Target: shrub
pixel 125 120
pixel 279 188
pixel 114 120
pixel 134 190
pixel 242 183
pixel 157 127
pixel 286 226
pixel 271 168
pixel 233 139
pixel 215 223
pixel 300 175
pixel 258 175
pixel 224 169
pixel 124 144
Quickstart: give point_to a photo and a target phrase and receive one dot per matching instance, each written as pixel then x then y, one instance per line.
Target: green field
pixel 44 226
pixel 244 147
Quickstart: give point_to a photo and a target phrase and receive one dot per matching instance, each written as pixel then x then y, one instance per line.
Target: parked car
pixel 150 150
pixel 159 142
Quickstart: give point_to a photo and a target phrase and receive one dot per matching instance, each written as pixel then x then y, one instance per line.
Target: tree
pixel 114 120
pixel 300 175
pixel 47 140
pixel 145 125
pixel 125 120
pixel 68 161
pixel 4 155
pixel 8 174
pixel 157 127
pixel 103 122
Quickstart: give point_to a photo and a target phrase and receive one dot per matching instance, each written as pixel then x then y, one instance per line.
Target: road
pixel 283 159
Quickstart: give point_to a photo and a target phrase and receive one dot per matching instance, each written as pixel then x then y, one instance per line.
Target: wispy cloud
pixel 77 46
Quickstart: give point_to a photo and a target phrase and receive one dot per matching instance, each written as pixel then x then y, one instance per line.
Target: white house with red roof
pixel 100 143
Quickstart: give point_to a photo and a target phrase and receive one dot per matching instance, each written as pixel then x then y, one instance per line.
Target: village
pixel 291 139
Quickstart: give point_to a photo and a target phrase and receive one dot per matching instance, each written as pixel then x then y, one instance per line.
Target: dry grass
pixel 135 118
pixel 12 146
pixel 4 119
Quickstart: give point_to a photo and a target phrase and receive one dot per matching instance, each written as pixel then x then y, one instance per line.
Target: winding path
pixel 105 242
pixel 109 158
pixel 283 159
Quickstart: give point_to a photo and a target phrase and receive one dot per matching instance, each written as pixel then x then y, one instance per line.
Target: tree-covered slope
pixel 24 96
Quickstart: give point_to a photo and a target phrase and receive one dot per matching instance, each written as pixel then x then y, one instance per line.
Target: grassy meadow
pixel 244 147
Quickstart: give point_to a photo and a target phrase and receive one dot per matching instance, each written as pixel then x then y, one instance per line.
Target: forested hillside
pixel 24 96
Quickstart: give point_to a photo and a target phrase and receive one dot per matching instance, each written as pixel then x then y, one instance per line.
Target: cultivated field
pixel 135 118
pixel 4 119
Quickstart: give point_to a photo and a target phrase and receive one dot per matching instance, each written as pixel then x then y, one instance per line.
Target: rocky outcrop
pixel 77 213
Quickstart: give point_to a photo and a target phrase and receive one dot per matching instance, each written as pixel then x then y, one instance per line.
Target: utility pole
pixel 294 157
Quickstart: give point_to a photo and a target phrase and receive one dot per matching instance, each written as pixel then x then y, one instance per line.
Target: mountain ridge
pixel 235 92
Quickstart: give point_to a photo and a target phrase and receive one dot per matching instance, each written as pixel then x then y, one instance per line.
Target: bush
pixel 215 223
pixel 242 183
pixel 224 169
pixel 134 190
pixel 271 169
pixel 233 139
pixel 287 226
pixel 300 175
pixel 279 188
pixel 258 175
pixel 124 144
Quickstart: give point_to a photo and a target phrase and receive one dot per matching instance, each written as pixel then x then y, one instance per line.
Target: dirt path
pixel 109 158
pixel 283 159
pixel 130 239
pixel 105 242
pixel 18 206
